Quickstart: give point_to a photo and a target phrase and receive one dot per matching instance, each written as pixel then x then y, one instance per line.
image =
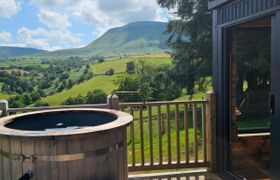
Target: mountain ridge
pixel 13 51
pixel 135 38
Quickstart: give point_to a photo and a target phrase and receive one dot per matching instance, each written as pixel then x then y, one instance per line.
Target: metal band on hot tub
pixel 64 157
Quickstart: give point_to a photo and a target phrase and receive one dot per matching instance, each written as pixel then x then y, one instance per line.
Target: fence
pixel 163 135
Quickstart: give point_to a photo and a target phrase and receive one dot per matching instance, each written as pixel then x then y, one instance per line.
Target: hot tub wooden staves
pixel 88 153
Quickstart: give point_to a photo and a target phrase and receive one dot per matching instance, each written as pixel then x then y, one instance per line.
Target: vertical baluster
pixel 132 138
pixel 186 123
pixel 151 135
pixel 195 133
pixel 178 133
pixel 168 134
pixel 204 133
pixel 159 134
pixel 141 136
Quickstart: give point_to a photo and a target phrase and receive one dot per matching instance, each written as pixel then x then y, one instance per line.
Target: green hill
pixel 106 83
pixel 132 39
pixel 6 51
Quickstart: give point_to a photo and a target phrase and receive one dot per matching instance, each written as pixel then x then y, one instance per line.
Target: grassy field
pixel 120 65
pixel 101 81
pixel 4 96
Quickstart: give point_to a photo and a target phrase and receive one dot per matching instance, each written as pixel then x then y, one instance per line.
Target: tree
pixel 95 97
pixel 35 96
pixel 101 60
pixel 127 82
pixel 82 78
pixel 27 99
pixel 130 67
pixel 69 84
pixel 110 72
pixel 164 87
pixel 77 100
pixel 40 104
pixel 144 77
pixel 253 62
pixel 191 40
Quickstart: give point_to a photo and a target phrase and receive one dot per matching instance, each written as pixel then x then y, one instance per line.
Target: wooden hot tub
pixel 64 145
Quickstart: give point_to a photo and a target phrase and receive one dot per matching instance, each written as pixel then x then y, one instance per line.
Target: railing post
pixel 3 108
pixel 211 130
pixel 113 102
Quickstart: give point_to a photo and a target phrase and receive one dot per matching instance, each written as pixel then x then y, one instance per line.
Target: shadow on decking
pixel 179 175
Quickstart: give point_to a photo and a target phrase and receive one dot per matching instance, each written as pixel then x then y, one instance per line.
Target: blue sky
pixel 60 24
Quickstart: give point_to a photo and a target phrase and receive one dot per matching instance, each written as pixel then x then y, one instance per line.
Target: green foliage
pixel 40 104
pixel 69 84
pixel 126 82
pixel 253 57
pixel 12 83
pixel 64 76
pixel 77 100
pixel 110 72
pixel 191 40
pixel 163 84
pixel 144 79
pixel 26 99
pixel 101 81
pixel 45 84
pixel 130 67
pixel 93 97
pixel 101 60
pixel 152 83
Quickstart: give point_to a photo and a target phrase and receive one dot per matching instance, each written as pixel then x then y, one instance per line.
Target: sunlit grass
pixel 163 136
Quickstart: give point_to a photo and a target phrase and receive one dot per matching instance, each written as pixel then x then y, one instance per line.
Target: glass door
pixel 275 97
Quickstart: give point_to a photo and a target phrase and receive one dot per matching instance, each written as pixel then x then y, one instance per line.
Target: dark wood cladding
pixel 214 3
pixel 243 8
pixel 251 151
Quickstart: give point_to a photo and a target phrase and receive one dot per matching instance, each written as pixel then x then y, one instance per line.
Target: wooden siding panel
pixel 243 8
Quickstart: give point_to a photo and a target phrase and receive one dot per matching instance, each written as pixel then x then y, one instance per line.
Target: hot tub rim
pixel 122 120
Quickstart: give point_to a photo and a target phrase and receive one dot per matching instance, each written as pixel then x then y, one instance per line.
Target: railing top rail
pixel 163 103
pixel 14 110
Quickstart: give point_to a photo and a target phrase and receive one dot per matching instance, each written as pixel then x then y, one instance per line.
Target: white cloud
pixel 5 36
pixel 58 16
pixel 41 38
pixel 105 14
pixel 9 8
pixel 53 20
pixel 53 3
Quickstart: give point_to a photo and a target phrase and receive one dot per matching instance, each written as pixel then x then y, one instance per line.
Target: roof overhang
pixel 212 4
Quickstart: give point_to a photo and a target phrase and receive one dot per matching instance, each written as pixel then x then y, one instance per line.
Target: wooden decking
pixel 177 175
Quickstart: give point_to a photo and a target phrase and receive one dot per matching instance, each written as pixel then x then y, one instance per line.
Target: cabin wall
pixel 246 151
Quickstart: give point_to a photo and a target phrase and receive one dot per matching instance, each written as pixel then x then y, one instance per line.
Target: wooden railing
pixel 31 109
pixel 163 135
pixel 167 135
